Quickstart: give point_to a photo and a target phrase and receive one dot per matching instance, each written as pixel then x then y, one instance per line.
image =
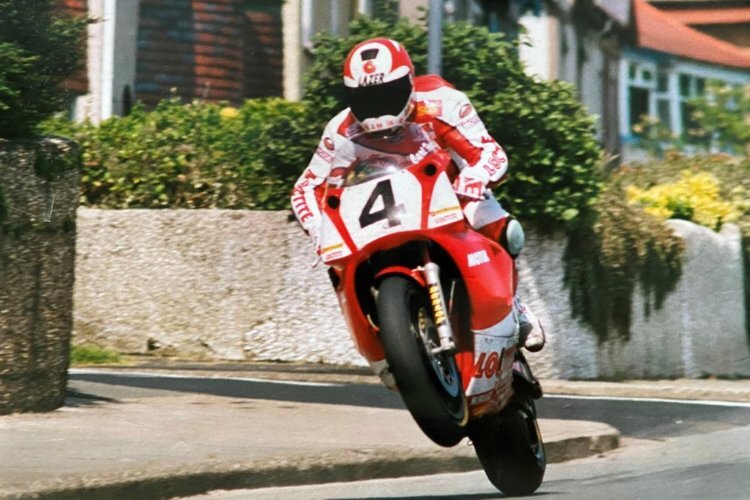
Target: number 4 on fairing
pixel 389 211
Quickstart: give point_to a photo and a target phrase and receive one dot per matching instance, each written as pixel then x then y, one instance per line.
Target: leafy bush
pixel 710 189
pixel 605 261
pixel 38 50
pixel 723 118
pixel 199 155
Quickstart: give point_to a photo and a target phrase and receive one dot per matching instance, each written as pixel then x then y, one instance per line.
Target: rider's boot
pixel 531 332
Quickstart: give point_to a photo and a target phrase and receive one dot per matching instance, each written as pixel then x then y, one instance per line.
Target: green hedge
pixel 197 155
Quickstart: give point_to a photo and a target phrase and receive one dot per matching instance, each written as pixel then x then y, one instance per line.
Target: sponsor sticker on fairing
pixel 478 258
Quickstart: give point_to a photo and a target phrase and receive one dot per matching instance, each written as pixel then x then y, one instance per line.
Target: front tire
pixel 429 384
pixel 510 447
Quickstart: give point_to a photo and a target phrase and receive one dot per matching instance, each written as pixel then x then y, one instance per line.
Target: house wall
pixel 294 57
pixel 191 49
pixel 410 8
pixel 78 82
pixel 111 61
pixel 537 44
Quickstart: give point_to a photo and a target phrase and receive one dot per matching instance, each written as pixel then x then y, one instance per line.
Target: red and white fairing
pixel 408 209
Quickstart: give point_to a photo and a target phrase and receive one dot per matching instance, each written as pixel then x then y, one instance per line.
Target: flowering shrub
pixel 695 197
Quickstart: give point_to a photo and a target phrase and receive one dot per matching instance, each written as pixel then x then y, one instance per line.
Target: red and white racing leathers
pixel 450 121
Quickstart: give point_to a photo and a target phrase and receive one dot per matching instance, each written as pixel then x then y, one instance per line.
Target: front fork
pixel 431 272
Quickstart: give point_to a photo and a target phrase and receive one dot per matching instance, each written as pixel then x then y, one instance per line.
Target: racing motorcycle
pixel 429 304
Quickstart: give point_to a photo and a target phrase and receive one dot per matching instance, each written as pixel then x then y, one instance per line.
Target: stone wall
pixel 37 252
pixel 219 284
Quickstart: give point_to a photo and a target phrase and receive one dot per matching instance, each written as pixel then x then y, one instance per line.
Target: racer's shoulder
pixel 438 99
pixel 343 125
pixel 435 87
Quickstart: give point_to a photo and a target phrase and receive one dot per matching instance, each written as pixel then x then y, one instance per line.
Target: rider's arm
pixel 477 154
pixel 332 150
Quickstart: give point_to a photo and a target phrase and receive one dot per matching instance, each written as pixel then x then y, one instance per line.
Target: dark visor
pixel 378 100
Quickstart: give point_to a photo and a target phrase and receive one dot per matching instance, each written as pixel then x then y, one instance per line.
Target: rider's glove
pixel 469 186
pixel 314 233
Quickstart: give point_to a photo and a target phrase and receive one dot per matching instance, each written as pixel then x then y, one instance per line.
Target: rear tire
pixel 430 385
pixel 510 447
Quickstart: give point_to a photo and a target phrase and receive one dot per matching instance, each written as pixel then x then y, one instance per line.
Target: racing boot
pixel 531 332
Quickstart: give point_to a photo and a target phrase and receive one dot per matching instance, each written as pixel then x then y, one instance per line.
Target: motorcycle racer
pixel 384 94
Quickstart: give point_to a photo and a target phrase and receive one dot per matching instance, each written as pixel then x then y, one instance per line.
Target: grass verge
pixel 92 355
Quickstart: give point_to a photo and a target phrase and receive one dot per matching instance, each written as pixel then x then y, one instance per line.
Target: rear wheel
pixel 510 447
pixel 429 384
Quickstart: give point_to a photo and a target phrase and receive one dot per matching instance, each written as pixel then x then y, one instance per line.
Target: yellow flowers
pixel 694 196
pixel 228 112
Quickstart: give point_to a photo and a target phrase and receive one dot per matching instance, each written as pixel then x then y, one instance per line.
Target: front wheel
pixel 510 447
pixel 429 384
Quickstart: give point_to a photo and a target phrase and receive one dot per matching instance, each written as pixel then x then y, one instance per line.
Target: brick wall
pixel 263 54
pixel 78 82
pixel 217 50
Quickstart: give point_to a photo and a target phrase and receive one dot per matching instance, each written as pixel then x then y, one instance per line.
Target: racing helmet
pixel 379 81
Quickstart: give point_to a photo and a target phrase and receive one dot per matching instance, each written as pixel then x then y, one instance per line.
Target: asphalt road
pixel 671 450
pixel 643 419
pixel 714 465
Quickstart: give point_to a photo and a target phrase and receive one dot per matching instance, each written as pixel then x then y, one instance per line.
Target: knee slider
pixel 513 238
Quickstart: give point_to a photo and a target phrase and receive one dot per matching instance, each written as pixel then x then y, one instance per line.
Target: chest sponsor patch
pixel 430 107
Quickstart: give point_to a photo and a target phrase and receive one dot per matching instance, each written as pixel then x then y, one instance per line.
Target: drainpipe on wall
pixel 307 25
pixel 335 17
pixel 108 59
pixel 435 38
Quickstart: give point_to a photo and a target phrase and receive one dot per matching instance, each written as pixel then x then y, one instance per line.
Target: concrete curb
pixel 346 465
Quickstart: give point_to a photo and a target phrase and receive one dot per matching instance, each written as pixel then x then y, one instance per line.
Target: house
pixel 149 50
pixel 633 58
pixel 626 58
pixel 218 50
pixel 78 82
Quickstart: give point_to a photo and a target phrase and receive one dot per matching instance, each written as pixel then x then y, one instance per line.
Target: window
pixel 641 92
pixel 691 86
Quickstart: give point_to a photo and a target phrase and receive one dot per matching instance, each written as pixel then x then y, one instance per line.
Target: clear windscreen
pixel 384 154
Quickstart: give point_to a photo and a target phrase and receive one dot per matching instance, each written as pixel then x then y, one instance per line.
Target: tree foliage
pixel 39 48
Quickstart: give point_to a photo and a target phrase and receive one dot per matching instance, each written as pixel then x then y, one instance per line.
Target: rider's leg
pixel 491 220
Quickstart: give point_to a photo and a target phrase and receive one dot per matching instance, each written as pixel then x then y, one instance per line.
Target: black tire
pixel 510 448
pixel 430 385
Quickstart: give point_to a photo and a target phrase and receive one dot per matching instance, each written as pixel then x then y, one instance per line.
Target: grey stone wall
pixel 239 285
pixel 37 252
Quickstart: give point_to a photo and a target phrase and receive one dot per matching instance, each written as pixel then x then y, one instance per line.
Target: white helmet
pixel 379 79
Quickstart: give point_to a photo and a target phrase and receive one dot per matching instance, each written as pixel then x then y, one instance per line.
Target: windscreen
pixel 379 155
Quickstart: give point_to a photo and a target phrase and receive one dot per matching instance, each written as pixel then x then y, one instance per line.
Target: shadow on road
pixel 367 395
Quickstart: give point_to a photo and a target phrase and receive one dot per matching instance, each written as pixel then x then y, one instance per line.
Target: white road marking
pixel 698 402
pixel 121 373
